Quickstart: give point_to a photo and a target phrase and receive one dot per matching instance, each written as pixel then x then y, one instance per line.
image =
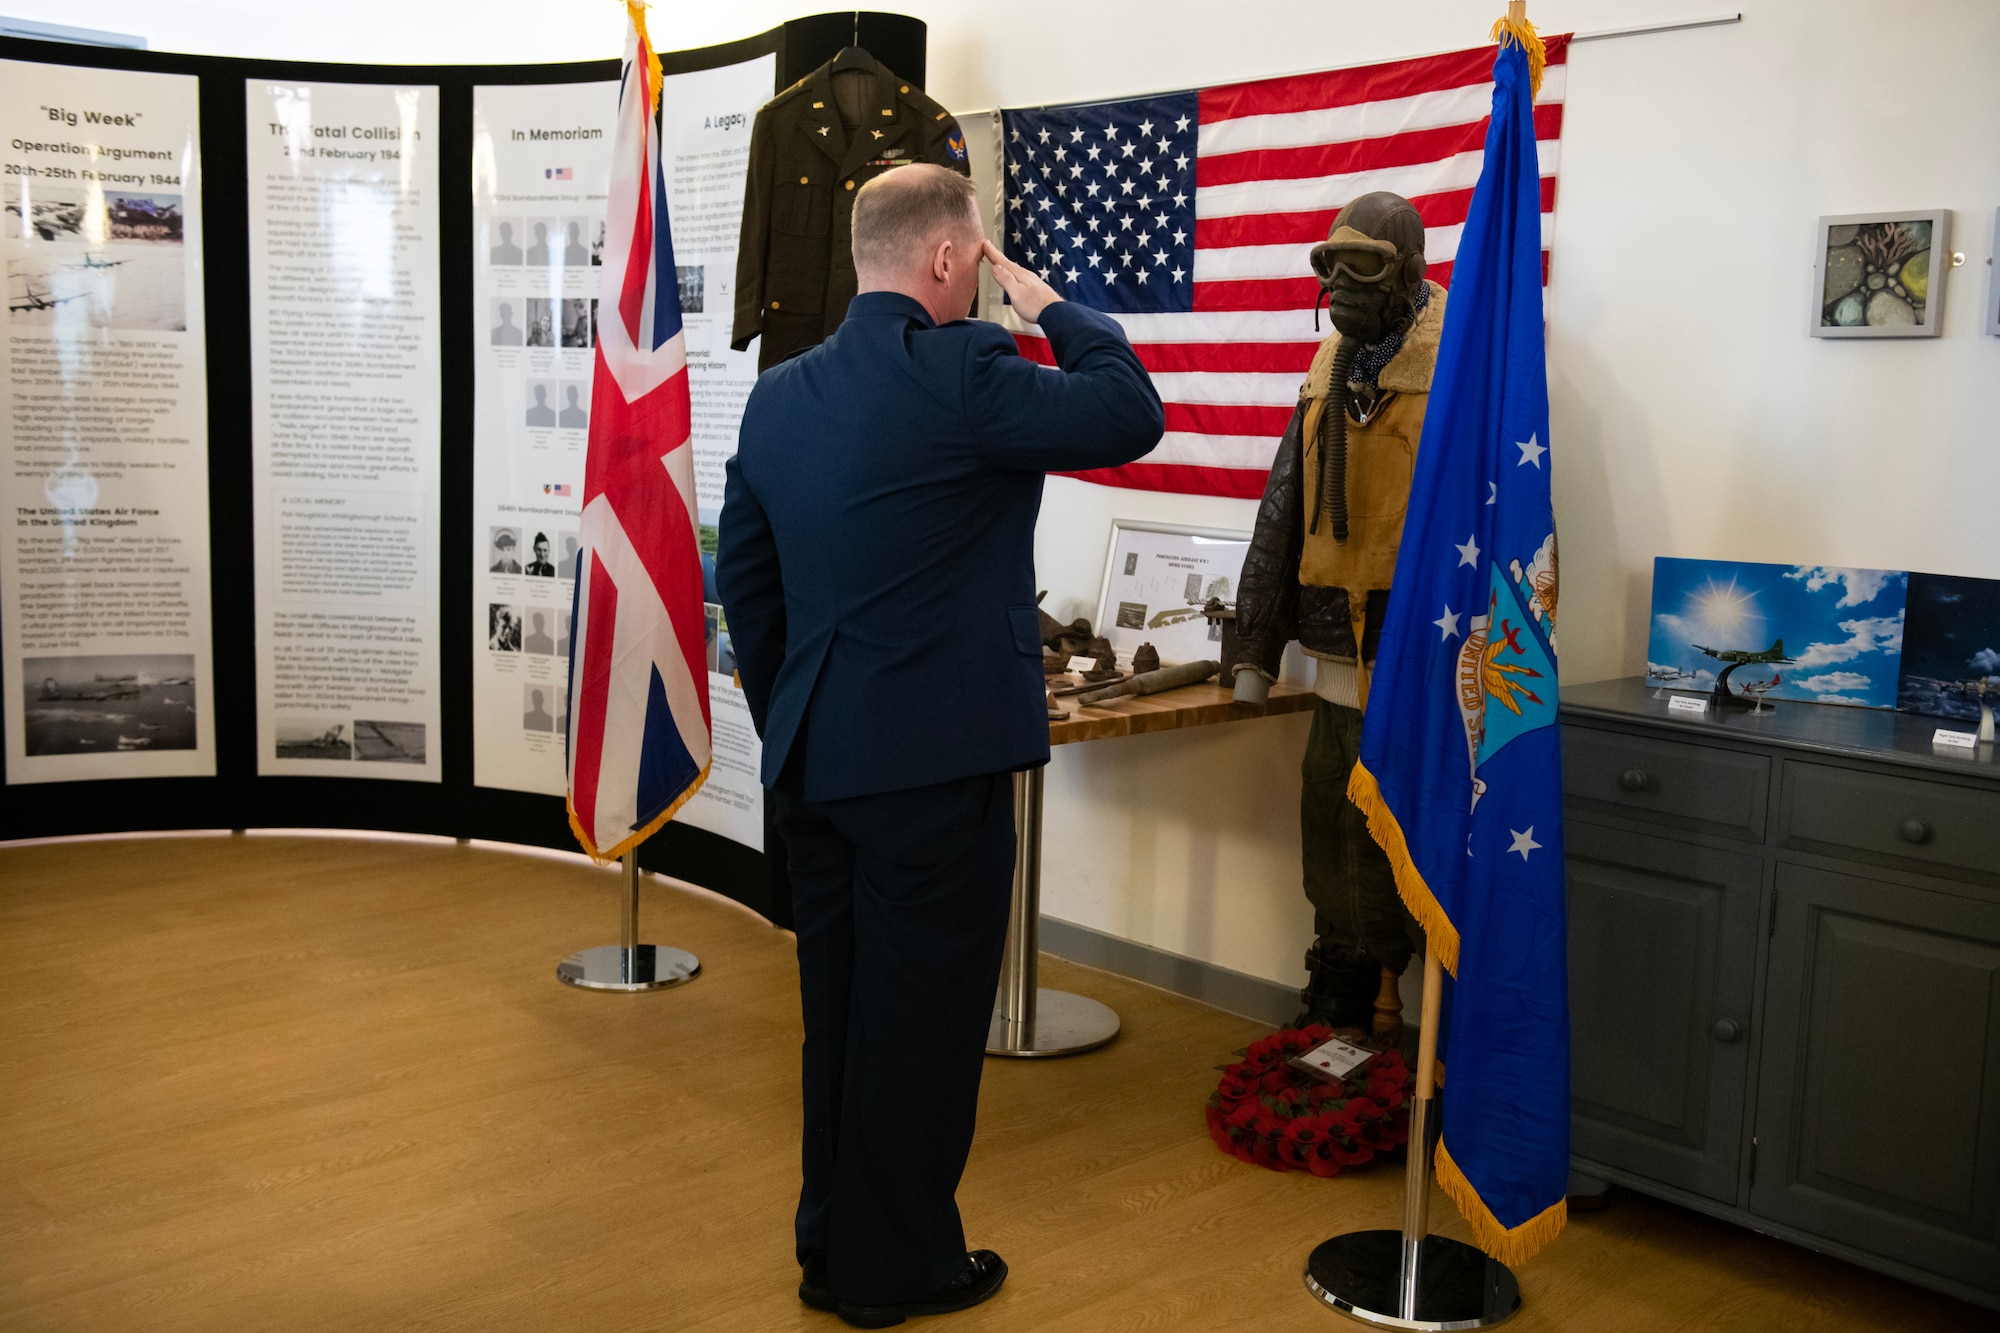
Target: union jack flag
pixel 1188 218
pixel 638 743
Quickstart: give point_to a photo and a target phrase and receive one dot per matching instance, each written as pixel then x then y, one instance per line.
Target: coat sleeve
pixel 1267 592
pixel 755 239
pixel 748 579
pixel 1096 408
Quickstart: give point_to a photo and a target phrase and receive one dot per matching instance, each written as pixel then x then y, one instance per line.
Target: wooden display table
pixel 1188 706
pixel 1030 1021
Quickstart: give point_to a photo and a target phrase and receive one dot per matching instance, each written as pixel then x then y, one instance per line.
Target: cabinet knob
pixel 1727 1029
pixel 1914 830
pixel 1635 779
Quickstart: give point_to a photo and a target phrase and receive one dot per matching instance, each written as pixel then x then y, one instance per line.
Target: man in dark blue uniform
pixel 876 561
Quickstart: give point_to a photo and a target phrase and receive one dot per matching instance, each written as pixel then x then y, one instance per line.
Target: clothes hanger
pixel 852 56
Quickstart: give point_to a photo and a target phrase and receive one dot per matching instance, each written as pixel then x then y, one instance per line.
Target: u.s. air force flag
pixel 1460 763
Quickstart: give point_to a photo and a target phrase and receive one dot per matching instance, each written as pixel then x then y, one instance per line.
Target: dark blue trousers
pixel 900 902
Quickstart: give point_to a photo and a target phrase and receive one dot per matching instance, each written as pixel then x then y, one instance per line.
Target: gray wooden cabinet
pixel 1785 974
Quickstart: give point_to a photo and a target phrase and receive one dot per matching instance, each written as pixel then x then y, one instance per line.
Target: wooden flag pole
pixel 1410 1278
pixel 1417 1177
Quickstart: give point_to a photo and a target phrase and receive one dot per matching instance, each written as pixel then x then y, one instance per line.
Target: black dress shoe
pixel 984 1272
pixel 813 1289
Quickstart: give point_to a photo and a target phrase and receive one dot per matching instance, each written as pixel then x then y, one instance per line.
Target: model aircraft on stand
pixel 1983 691
pixel 1665 678
pixel 1757 689
pixel 1736 657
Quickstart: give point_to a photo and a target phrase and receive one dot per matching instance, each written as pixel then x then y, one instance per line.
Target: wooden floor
pixel 323 1083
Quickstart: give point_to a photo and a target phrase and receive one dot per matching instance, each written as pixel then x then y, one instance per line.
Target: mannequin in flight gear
pixel 1318 571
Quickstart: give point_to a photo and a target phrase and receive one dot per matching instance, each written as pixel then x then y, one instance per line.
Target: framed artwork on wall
pixel 1881 275
pixel 1157 579
pixel 1993 279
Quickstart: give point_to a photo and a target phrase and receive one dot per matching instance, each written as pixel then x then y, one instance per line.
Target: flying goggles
pixel 1360 257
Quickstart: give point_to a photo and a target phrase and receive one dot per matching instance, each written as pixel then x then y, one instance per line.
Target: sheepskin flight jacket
pixel 1300 584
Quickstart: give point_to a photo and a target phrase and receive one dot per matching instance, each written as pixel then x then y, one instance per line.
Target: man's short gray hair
pixel 901 214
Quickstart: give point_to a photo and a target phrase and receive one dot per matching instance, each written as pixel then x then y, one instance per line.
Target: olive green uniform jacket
pixel 795 263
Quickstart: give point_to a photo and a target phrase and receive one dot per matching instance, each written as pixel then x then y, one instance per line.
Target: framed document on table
pixel 1157 579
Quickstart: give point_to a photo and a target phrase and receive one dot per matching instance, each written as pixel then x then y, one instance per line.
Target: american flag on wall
pixel 1188 217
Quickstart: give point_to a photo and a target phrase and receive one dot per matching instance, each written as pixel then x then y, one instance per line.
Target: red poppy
pixel 1243 1115
pixel 1268 1113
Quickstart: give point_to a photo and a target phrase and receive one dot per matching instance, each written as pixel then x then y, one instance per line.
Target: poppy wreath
pixel 1267 1112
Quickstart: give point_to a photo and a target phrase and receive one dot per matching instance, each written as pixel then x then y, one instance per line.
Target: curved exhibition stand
pixel 237 797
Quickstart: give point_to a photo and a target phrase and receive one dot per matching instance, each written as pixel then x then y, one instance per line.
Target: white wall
pixel 1692 415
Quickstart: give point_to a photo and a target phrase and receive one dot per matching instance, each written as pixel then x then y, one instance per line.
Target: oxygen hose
pixel 1333 442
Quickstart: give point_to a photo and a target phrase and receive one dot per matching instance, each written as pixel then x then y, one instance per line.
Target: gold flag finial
pixel 1514 29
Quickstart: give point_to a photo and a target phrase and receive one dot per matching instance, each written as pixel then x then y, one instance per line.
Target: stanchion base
pixel 1360 1275
pixel 614 967
pixel 1064 1024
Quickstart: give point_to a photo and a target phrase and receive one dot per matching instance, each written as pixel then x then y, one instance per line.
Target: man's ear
pixel 939 260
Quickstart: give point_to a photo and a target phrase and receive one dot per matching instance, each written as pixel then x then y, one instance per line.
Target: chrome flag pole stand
pixel 629 965
pixel 1410 1278
pixel 1027 1020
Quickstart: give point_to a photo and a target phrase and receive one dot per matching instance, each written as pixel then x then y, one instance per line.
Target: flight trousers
pixel 1347 875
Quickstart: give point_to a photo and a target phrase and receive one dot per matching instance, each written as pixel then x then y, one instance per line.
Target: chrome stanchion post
pixel 629 875
pixel 1410 1278
pixel 1020 964
pixel 1028 1020
pixel 628 965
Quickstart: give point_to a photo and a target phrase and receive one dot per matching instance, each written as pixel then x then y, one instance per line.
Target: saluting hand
pixel 1028 293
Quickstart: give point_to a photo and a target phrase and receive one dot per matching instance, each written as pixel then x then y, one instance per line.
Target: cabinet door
pixel 1662 950
pixel 1878 1110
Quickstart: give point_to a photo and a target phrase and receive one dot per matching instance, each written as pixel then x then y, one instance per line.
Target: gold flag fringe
pixel 636 11
pixel 654 825
pixel 1439 933
pixel 1510 1245
pixel 1513 29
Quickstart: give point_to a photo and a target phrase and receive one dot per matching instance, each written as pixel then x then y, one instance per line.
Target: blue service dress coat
pixel 876 550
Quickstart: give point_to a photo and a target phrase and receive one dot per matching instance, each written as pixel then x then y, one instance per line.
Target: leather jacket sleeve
pixel 1267 594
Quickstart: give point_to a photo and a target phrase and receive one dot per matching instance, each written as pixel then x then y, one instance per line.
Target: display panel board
pixel 104 573
pixel 541 161
pixel 343 238
pixel 540 176
pixel 705 120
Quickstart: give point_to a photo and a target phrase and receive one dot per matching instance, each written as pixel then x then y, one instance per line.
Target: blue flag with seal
pixel 1460 771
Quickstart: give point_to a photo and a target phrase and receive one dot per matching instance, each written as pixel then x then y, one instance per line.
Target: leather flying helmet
pixel 1371 263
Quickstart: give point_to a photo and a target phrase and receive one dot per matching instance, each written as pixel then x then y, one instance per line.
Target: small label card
pixel 1333 1059
pixel 1687 703
pixel 1083 664
pixel 1963 740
